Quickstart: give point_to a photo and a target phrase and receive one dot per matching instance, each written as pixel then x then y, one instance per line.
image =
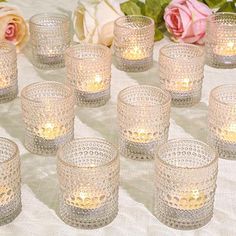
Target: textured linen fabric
pixel 40 186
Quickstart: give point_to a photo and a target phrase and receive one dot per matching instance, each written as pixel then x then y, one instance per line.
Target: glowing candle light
pixel 230 133
pixel 134 53
pixel 86 199
pixel 193 200
pixel 6 195
pixel 183 85
pixel 141 135
pixel 226 50
pixel 95 85
pixel 51 131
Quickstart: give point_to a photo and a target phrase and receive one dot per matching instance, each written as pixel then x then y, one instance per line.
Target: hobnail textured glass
pixel 89 73
pixel 222 121
pixel 181 72
pixel 185 183
pixel 50 36
pixel 133 43
pixel 8 72
pixel 10 181
pixel 48 113
pixel 88 172
pixel 220 43
pixel 143 119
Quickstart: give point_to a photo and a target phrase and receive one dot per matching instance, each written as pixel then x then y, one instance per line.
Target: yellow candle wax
pixel 190 201
pixel 229 133
pixel 228 50
pixel 95 85
pixel 6 195
pixel 183 85
pixel 3 83
pixel 85 199
pixel 134 53
pixel 141 136
pixel 51 130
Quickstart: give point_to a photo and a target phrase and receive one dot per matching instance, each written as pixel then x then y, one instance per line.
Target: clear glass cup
pixel 48 113
pixel 181 72
pixel 89 73
pixel 222 121
pixel 133 43
pixel 185 183
pixel 8 72
pixel 220 40
pixel 143 119
pixel 50 36
pixel 88 173
pixel 10 181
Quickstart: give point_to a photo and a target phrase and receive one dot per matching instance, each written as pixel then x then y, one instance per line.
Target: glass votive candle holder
pixel 181 72
pixel 133 43
pixel 10 181
pixel 8 72
pixel 185 183
pixel 50 36
pixel 89 73
pixel 220 42
pixel 48 113
pixel 88 172
pixel 222 121
pixel 143 119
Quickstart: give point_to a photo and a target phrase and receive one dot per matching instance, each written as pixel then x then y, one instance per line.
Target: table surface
pixel 40 187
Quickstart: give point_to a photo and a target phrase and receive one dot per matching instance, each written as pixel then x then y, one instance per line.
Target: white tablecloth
pixel 40 187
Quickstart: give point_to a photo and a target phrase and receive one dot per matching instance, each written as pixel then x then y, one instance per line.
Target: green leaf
pixel 215 3
pixel 158 35
pixel 130 8
pixel 153 9
pixel 228 7
pixel 3 0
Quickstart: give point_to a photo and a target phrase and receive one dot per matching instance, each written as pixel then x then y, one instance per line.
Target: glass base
pixel 42 146
pixel 134 65
pixel 223 62
pixel 8 94
pixel 10 211
pixel 49 62
pixel 225 149
pixel 137 150
pixel 185 99
pixel 87 218
pixel 182 219
pixel 87 99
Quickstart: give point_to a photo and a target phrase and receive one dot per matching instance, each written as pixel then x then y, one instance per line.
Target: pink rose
pixel 13 27
pixel 186 20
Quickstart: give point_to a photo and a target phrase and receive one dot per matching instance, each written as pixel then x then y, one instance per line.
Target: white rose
pixel 94 20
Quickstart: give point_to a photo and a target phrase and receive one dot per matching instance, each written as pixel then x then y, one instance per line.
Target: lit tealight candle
pixel 230 133
pixel 141 136
pixel 183 85
pixel 51 131
pixel 6 195
pixel 3 83
pixel 190 201
pixel 228 50
pixel 134 53
pixel 95 85
pixel 85 199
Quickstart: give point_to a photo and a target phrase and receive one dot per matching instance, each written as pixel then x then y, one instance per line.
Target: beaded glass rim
pixel 34 18
pixel 9 47
pixel 88 139
pixel 212 18
pixel 171 141
pixel 217 90
pixel 68 51
pixel 14 153
pixel 25 90
pixel 176 45
pixel 117 21
pixel 168 96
